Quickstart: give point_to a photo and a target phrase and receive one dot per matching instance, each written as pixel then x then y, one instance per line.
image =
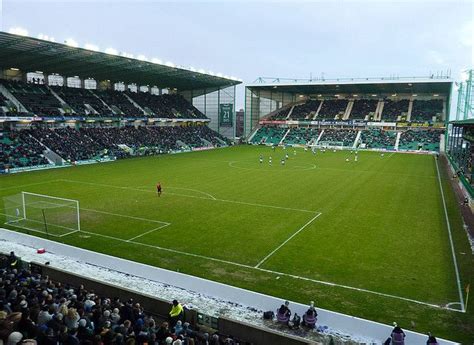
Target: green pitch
pixel 377 225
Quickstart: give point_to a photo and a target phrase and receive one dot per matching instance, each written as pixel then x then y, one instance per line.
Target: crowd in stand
pixel 304 110
pixel 119 100
pixel 18 149
pixel 363 107
pixel 36 98
pixel 36 310
pixel 42 100
pixel 427 139
pixel 426 110
pixel 167 105
pixel 67 142
pixel 281 114
pixel 377 138
pixel 393 109
pixel 332 108
pixel 25 147
pixel 301 136
pixel 345 136
pixel 77 99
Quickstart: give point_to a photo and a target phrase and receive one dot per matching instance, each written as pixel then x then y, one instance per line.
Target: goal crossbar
pixel 25 204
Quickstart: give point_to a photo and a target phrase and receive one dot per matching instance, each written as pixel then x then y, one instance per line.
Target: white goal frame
pixel 72 201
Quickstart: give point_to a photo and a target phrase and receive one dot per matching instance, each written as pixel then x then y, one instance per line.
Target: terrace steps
pixel 397 141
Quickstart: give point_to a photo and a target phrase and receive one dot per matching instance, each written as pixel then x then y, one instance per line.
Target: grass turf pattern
pixel 377 224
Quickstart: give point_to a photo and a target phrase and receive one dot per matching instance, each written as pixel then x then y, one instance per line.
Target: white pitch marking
pixel 148 232
pixel 196 197
pixel 287 240
pixel 125 216
pixel 453 252
pixel 275 272
pixel 193 190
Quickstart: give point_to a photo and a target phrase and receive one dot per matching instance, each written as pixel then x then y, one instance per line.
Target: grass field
pixel 375 229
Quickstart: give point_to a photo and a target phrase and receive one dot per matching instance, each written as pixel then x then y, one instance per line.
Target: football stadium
pixel 137 206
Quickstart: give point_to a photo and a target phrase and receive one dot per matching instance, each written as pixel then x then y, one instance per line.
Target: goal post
pixel 42 213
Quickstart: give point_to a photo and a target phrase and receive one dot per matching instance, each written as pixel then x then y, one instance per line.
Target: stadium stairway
pixel 347 113
pixel 138 106
pixel 397 141
pixel 410 108
pixel 290 112
pixel 319 137
pixel 286 133
pixel 319 109
pixel 357 139
pixel 5 92
pixel 379 110
pixel 105 104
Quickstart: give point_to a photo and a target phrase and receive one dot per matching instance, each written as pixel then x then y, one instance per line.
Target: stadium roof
pixel 463 122
pixel 358 85
pixel 31 54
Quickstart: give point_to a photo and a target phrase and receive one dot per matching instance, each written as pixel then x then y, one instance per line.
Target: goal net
pixel 42 213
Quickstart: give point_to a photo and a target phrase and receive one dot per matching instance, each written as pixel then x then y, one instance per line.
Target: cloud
pixel 466 36
pixel 435 56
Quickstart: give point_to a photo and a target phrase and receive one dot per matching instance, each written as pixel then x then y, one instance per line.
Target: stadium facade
pixel 268 96
pixel 33 60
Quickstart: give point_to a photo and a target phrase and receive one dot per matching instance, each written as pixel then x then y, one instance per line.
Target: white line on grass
pixel 41 231
pixel 272 272
pixel 194 196
pixel 286 241
pixel 125 216
pixel 453 252
pixel 194 190
pixel 148 232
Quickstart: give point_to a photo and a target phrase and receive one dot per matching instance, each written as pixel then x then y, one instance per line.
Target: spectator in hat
pixel 310 317
pixel 398 336
pixel 431 340
pixel 283 313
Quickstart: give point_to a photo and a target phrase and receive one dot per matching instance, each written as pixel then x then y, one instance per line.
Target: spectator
pixel 431 340
pixel 284 313
pixel 398 336
pixel 12 260
pixel 310 317
pixel 176 313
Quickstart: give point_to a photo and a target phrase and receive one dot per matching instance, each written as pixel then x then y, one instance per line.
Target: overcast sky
pixel 249 39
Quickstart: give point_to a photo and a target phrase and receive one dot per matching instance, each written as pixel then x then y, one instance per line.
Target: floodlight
pixel 72 43
pixel 92 47
pixel 18 31
pixel 111 51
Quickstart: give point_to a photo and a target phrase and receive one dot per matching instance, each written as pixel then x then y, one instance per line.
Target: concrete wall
pixel 344 323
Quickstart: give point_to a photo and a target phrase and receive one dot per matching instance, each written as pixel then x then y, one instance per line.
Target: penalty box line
pixel 316 281
pixel 192 196
pixel 286 241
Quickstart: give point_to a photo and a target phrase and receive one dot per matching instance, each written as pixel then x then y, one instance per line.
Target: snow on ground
pixel 206 304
